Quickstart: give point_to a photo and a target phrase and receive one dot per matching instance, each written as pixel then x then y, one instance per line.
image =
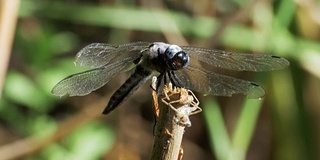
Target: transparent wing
pixel 207 82
pixel 237 61
pixel 99 54
pixel 85 82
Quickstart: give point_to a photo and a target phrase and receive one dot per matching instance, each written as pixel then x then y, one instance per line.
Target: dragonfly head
pixel 176 58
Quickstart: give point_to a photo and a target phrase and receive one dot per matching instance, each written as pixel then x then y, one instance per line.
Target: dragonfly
pixel 170 63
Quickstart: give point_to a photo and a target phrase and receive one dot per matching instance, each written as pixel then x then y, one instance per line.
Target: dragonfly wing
pixel 207 82
pixel 99 54
pixel 85 82
pixel 237 61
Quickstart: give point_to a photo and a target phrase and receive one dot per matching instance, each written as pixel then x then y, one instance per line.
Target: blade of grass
pixel 217 129
pixel 285 13
pixel 245 127
pixel 236 148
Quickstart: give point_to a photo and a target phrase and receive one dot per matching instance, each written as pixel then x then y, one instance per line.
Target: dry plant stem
pixel 8 18
pixel 175 105
pixel 168 136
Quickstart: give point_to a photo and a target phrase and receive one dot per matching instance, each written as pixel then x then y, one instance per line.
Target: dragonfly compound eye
pixel 179 60
pixel 176 58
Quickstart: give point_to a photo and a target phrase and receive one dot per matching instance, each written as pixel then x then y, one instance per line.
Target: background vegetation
pixel 284 125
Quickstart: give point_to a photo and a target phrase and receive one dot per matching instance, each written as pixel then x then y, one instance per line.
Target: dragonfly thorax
pixel 165 57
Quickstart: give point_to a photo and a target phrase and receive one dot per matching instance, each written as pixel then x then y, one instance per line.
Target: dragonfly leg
pixel 171 79
pixel 175 79
pixel 159 79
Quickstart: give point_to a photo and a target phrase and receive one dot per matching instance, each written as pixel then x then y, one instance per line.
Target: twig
pixel 175 105
pixel 32 145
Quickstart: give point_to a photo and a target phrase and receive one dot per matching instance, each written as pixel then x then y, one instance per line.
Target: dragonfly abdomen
pixel 139 77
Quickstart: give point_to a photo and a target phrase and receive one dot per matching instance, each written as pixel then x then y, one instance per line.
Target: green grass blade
pixel 217 129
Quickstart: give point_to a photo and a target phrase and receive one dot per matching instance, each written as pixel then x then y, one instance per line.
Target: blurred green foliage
pixel 49 34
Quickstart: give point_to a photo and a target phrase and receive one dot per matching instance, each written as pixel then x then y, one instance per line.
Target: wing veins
pixel 100 54
pixel 208 82
pixel 237 61
pixel 83 83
